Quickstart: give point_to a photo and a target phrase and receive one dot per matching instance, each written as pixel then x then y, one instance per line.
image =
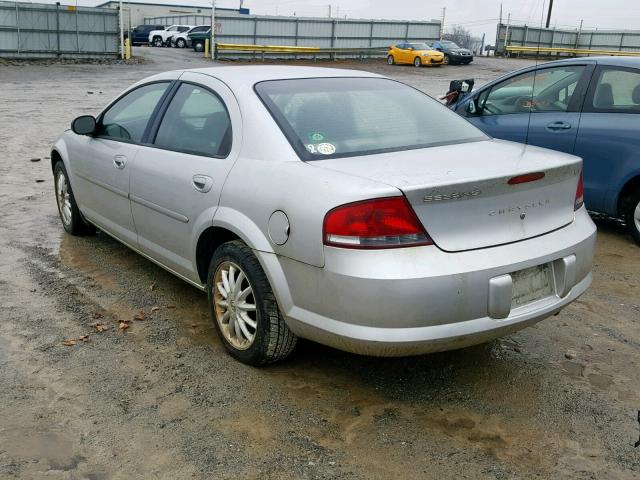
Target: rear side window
pixel 617 90
pixel 339 117
pixel 128 117
pixel 196 122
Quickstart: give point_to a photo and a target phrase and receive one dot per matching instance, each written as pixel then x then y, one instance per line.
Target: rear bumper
pixel 418 300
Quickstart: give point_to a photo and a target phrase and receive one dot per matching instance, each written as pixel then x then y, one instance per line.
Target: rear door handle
pixel 119 161
pixel 202 183
pixel 558 126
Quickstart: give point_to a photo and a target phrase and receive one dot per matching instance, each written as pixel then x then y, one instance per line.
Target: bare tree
pixel 461 36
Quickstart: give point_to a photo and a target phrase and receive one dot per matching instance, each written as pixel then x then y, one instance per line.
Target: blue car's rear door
pixel 608 139
pixel 540 107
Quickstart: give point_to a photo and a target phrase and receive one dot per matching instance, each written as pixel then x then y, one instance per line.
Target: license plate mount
pixel 531 284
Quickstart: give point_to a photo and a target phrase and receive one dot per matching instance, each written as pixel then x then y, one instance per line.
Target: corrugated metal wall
pixel 309 31
pixel 34 30
pixel 523 35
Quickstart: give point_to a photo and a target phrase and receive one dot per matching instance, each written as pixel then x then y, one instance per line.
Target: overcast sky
pixel 479 16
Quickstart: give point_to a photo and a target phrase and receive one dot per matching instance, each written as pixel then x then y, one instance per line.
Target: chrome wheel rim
pixel 63 197
pixel 417 62
pixel 235 305
pixel 636 216
pixel 445 60
pixel 390 60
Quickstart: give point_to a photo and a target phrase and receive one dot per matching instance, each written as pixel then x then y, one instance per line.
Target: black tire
pixel 181 43
pixel 198 46
pixel 629 206
pixel 446 60
pixel 157 42
pixel 417 62
pixel 391 60
pixel 273 340
pixel 76 225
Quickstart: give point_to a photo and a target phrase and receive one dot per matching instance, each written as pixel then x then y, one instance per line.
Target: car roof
pixel 602 60
pixel 239 76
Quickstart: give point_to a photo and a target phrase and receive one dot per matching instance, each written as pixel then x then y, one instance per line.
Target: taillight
pixel 378 223
pixel 579 194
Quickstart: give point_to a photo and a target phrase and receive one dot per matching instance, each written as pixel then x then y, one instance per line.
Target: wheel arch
pixel 631 185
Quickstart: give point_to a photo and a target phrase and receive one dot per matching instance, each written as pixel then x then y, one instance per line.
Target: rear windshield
pixel 343 117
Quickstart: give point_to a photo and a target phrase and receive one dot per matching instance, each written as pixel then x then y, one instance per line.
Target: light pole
pixel 121 32
pixel 213 29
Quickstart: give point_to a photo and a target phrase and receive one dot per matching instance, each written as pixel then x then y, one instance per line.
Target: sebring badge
pixel 451 196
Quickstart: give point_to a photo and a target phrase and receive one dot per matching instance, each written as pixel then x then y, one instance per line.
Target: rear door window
pixel 196 122
pixel 617 90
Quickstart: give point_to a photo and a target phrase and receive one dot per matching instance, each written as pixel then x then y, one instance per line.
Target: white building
pixel 135 11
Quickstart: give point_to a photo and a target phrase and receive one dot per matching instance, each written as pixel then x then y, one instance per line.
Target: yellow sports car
pixel 417 53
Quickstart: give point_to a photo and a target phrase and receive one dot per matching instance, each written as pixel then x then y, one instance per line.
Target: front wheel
pixel 198 46
pixel 157 42
pixel 244 309
pixel 390 60
pixel 181 43
pixel 446 60
pixel 417 62
pixel 70 215
pixel 631 214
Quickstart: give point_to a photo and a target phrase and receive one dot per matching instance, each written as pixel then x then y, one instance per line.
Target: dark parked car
pixel 589 107
pixel 452 52
pixel 140 33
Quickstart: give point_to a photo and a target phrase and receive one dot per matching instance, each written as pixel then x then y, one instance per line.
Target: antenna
pixel 535 74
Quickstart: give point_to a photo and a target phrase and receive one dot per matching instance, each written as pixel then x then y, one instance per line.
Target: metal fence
pixel 34 30
pixel 524 35
pixel 309 31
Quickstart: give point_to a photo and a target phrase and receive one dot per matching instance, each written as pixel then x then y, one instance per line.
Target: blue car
pixel 589 107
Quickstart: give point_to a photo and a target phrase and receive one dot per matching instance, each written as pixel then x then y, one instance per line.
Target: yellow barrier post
pixel 206 48
pixel 127 49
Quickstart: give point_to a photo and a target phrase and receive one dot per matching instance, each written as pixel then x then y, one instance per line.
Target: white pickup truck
pixel 161 38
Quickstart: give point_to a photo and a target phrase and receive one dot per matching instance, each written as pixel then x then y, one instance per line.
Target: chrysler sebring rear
pixel 333 205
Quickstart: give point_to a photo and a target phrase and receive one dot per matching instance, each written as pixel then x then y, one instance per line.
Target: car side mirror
pixel 84 125
pixel 472 108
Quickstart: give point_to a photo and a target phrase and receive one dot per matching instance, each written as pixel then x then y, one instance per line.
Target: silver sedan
pixel 334 205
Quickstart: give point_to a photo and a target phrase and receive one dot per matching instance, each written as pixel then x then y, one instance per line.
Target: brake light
pixel 526 178
pixel 579 194
pixel 378 223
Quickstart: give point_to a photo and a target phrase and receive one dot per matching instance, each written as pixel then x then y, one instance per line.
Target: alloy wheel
pixel 636 216
pixel 235 305
pixel 417 62
pixel 63 197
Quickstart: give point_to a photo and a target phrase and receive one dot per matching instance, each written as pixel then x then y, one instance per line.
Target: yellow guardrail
pixel 237 47
pixel 573 51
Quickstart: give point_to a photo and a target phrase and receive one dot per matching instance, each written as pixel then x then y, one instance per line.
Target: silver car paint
pixel 385 302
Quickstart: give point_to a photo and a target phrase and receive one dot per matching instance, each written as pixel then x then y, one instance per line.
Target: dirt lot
pixel 163 400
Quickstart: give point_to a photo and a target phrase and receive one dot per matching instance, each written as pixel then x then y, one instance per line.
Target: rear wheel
pixel 157 42
pixel 631 214
pixel 390 60
pixel 446 60
pixel 244 309
pixel 417 62
pixel 181 43
pixel 198 46
pixel 70 215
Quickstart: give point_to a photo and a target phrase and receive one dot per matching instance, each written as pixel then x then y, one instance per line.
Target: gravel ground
pixel 163 400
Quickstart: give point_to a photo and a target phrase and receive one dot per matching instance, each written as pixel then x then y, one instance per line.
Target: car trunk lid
pixel 462 195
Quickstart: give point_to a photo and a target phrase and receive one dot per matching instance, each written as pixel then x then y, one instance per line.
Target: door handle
pixel 119 161
pixel 554 126
pixel 202 183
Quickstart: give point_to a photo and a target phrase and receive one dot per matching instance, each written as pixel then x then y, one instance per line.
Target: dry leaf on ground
pixel 140 315
pixel 69 343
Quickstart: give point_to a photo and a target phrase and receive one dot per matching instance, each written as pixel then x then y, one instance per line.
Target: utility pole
pixel 213 29
pixel 481 46
pixel 122 32
pixel 444 12
pixel 578 35
pixel 549 13
pixel 329 10
pixel 506 33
